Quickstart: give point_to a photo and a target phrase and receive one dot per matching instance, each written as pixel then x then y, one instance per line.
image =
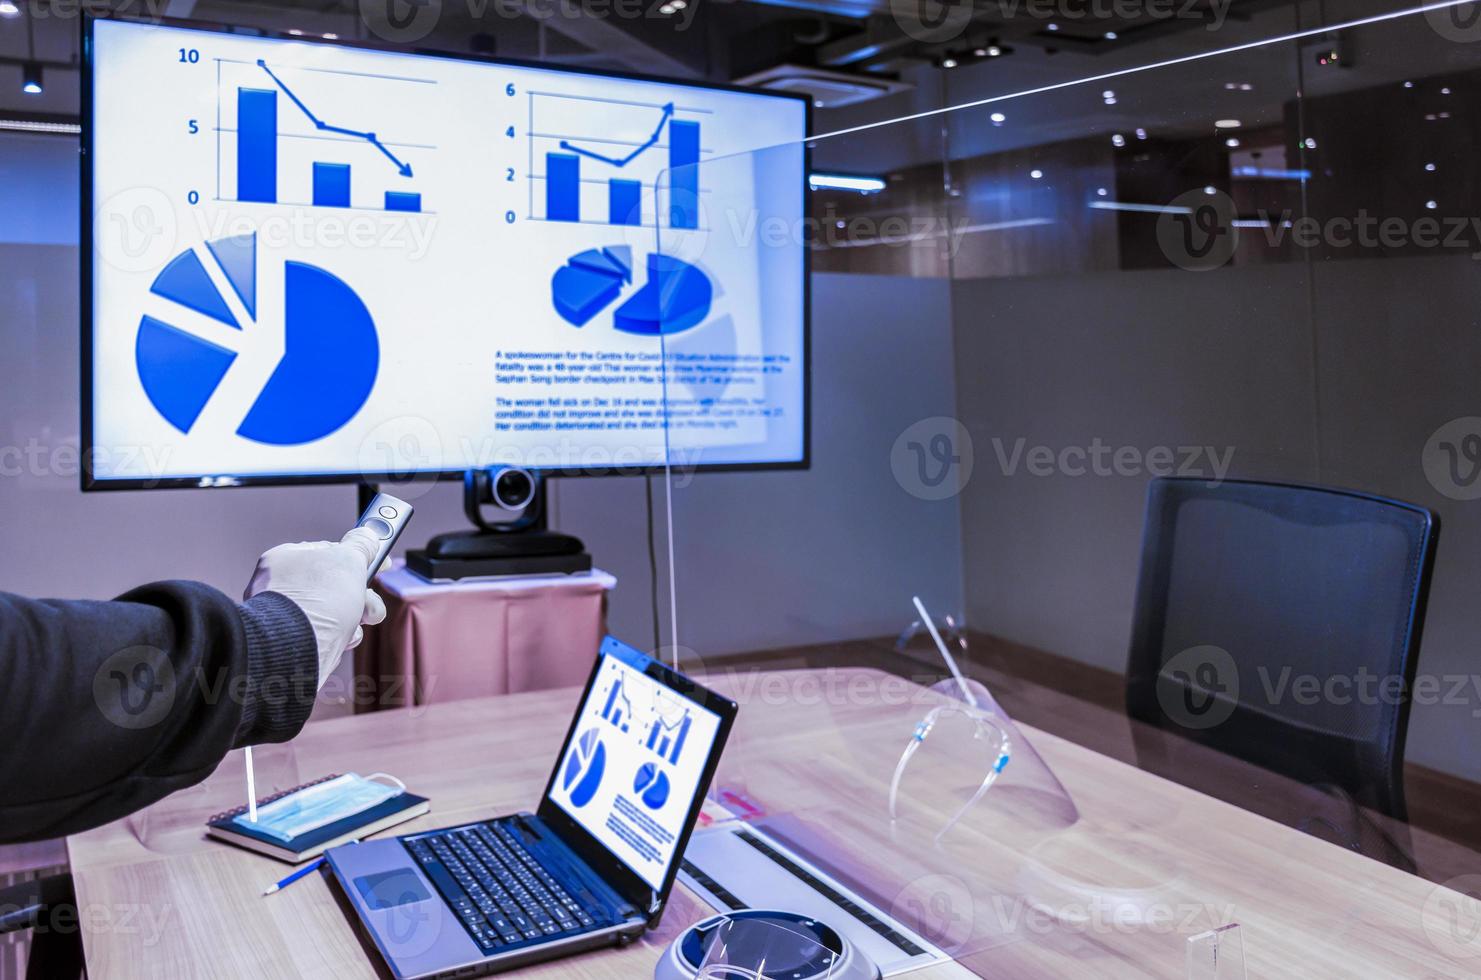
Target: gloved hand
pixel 326 581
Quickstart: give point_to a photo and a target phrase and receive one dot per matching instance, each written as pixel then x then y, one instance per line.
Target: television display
pixel 316 261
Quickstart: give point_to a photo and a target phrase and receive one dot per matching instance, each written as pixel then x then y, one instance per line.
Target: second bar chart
pixel 615 162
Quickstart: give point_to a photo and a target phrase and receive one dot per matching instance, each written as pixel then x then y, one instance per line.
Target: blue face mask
pixel 320 805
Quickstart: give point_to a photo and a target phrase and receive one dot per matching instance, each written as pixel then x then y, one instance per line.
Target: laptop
pixel 593 866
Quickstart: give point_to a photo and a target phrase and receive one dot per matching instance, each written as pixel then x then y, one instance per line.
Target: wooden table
pixel 177 905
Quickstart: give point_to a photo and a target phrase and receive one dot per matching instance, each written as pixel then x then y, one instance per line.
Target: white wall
pixel 59 542
pixel 1131 359
pixel 836 552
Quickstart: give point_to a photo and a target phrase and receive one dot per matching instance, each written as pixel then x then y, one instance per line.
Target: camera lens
pixel 513 489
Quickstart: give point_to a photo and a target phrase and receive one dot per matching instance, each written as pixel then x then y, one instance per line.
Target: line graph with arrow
pixel 261 114
pixel 608 161
pixel 668 112
pixel 322 126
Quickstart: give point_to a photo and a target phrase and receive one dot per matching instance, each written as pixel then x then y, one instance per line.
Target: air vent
pixel 827 89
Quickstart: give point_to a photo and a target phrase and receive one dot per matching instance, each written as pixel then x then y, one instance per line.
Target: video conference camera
pixel 506 504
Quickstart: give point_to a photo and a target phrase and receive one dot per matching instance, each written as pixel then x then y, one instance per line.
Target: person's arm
pixel 106 707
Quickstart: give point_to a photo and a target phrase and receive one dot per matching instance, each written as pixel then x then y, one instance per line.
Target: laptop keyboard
pixel 497 887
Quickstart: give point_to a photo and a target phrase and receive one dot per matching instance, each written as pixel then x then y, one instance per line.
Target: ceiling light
pixel 1211 190
pixel 295 32
pixel 1430 167
pixel 980 52
pixel 1431 205
pixel 1445 91
pixel 998 118
pixel 1141 133
pixel 993 50
pixel 8 8
pixel 38 126
pixel 1101 192
pixel 1108 94
pixel 948 63
pixel 1310 143
pixel 1053 27
pixel 1139 208
pixel 1408 84
pixel 1227 124
pixel 1036 174
pixel 330 37
pixel 1111 35
pixel 1270 173
pixel 846 182
pixel 1118 140
pixel 31 78
pixel 1232 142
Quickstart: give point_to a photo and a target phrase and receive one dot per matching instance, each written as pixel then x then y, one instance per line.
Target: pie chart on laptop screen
pixel 584 768
pixel 323 322
pixel 652 786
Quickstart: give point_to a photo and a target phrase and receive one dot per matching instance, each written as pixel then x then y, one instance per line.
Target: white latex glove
pixel 326 581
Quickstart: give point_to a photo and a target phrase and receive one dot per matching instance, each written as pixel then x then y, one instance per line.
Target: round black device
pixel 792 947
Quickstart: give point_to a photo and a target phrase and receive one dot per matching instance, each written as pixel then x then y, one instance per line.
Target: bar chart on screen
pixel 618 709
pixel 615 162
pixel 667 736
pixel 318 137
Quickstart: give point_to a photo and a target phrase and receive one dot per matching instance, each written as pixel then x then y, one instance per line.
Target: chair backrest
pixel 1281 624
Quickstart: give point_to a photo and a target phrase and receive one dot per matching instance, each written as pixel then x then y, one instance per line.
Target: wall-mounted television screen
pixel 308 261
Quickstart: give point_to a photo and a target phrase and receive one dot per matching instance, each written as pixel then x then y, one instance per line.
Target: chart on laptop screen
pixel 634 766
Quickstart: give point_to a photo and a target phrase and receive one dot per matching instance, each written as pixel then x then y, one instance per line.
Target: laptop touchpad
pixel 389 889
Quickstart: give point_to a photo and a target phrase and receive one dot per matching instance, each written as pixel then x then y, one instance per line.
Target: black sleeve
pixel 106 707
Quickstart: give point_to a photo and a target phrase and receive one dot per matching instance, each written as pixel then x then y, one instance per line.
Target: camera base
pixel 470 554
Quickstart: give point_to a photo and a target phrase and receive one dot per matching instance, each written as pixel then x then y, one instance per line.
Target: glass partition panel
pixel 1391 237
pixel 1048 659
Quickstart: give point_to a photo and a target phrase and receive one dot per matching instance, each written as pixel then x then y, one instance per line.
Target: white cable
pixel 668 479
pixel 251 785
pixel 668 482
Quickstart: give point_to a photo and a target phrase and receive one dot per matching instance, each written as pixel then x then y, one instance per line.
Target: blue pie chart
pixel 652 785
pixel 675 297
pixel 331 353
pixel 584 768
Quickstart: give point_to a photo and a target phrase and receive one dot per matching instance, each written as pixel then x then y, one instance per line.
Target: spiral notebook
pixel 388 813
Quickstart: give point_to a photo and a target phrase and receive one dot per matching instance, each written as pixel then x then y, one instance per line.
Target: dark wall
pixel 1225 360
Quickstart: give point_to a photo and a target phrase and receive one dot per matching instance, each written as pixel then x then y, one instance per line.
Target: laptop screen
pixel 634 763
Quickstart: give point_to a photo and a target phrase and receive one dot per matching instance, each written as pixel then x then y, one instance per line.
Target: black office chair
pixel 47 906
pixel 1246 587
